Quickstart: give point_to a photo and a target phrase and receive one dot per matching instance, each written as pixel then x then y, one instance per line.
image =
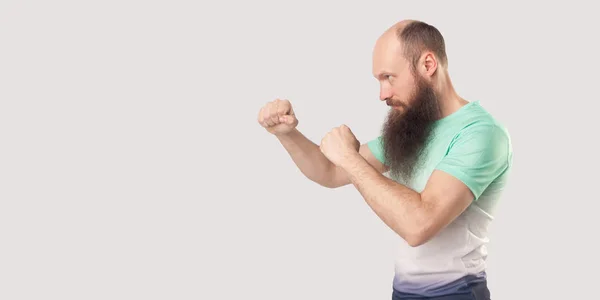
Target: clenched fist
pixel 339 144
pixel 278 117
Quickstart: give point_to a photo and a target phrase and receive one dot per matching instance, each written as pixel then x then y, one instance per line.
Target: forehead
pixel 387 56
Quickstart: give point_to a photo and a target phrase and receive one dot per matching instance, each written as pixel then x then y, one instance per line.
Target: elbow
pixel 332 186
pixel 418 235
pixel 421 227
pixel 331 178
pixel 417 240
pixel 328 182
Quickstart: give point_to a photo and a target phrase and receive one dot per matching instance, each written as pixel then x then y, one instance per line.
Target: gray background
pixel 132 165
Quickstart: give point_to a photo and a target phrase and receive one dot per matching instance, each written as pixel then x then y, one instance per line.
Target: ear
pixel 429 64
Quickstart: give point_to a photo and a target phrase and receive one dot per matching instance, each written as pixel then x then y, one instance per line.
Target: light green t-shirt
pixel 475 148
pixel 468 144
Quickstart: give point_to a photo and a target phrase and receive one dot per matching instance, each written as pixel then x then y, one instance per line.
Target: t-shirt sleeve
pixel 477 156
pixel 376 147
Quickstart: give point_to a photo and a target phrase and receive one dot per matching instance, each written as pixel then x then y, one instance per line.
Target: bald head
pixel 411 39
pixel 394 29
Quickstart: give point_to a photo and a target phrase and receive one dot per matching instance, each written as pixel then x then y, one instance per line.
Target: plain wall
pixel 132 165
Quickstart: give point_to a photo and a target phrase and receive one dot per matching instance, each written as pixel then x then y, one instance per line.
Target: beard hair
pixel 405 134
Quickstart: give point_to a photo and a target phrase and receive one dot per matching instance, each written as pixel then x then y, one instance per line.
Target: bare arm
pixel 315 166
pixel 278 118
pixel 416 217
pixel 476 159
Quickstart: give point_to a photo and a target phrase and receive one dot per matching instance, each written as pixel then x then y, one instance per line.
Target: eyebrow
pixel 383 73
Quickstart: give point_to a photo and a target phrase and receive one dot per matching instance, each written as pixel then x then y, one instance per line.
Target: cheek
pixel 401 91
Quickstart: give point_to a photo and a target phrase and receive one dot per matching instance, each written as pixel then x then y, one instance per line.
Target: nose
pixel 385 93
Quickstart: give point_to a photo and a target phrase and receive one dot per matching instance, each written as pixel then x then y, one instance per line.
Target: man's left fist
pixel 339 144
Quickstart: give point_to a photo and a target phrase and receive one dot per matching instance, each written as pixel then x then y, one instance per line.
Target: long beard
pixel 405 134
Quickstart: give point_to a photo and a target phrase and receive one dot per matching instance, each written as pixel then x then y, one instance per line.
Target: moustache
pixel 390 102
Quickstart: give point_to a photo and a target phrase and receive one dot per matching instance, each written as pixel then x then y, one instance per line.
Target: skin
pixel 340 159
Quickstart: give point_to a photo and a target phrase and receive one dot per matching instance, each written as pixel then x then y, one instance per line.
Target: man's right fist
pixel 278 117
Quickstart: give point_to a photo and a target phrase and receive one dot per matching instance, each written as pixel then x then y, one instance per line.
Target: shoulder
pixel 475 124
pixel 479 151
pixel 482 129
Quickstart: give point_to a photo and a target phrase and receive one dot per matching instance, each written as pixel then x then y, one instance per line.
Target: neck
pixel 449 100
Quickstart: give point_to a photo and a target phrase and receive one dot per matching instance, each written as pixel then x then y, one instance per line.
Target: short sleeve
pixel 376 147
pixel 477 156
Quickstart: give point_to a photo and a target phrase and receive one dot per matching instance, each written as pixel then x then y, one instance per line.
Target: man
pixel 448 161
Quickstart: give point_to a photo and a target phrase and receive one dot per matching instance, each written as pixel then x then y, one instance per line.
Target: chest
pixel 433 153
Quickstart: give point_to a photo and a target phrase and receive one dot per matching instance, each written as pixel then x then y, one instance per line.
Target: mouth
pixel 393 104
pixel 399 107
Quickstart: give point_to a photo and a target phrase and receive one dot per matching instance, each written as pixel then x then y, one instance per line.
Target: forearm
pixel 398 206
pixel 308 158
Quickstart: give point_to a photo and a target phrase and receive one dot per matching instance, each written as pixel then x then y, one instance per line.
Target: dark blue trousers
pixel 478 291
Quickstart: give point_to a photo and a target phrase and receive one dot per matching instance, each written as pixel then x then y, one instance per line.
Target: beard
pixel 405 134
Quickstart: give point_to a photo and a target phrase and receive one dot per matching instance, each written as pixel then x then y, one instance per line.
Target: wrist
pixel 286 135
pixel 351 159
